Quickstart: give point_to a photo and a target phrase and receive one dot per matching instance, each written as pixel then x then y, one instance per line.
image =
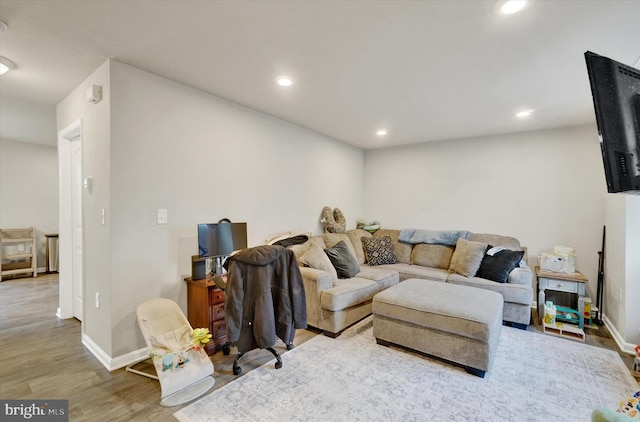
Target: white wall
pixel 202 159
pixel 622 266
pixel 159 144
pixel 95 163
pixel 632 285
pixel 29 190
pixel 545 188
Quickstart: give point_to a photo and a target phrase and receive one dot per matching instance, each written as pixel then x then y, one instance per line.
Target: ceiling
pixel 424 70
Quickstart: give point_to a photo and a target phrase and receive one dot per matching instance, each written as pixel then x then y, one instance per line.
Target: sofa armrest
pixel 315 281
pixel 521 275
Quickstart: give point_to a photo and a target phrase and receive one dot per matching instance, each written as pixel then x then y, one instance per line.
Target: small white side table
pixel 561 282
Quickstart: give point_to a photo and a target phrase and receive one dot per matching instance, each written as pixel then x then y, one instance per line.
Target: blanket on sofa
pixel 439 237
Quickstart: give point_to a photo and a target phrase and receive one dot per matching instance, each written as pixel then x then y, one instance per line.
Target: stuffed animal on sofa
pixel 333 220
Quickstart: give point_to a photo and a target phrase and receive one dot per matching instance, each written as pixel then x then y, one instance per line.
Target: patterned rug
pixel 535 377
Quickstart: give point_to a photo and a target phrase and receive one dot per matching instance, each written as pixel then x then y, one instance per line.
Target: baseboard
pixel 114 363
pixel 622 344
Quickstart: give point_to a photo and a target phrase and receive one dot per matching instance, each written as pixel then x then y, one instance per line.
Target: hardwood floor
pixel 41 357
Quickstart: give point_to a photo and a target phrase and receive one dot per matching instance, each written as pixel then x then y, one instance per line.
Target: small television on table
pixel 221 239
pixel 615 88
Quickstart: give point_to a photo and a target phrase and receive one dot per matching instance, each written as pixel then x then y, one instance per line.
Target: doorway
pixel 71 217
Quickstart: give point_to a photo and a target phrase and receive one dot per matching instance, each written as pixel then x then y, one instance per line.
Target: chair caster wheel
pixel 226 350
pixel 237 370
pixel 278 365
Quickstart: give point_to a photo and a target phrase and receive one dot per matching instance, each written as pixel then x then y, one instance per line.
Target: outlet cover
pixel 162 216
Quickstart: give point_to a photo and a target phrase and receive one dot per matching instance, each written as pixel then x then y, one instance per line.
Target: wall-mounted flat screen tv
pixel 615 88
pixel 220 239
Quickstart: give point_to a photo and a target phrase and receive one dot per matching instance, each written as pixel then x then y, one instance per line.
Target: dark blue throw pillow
pixel 498 266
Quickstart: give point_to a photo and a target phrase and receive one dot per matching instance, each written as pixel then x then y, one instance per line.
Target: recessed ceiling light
pixel 6 65
pixel 381 132
pixel 284 81
pixel 509 7
pixel 524 113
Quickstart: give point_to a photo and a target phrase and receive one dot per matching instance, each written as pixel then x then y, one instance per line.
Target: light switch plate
pixel 162 216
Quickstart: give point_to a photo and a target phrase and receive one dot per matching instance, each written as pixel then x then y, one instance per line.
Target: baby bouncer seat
pixel 183 367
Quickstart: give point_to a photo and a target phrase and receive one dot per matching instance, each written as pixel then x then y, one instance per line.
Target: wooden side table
pixel 205 309
pixel 574 283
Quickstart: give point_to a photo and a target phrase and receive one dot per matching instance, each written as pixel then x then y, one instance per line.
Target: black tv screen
pixel 615 88
pixel 220 239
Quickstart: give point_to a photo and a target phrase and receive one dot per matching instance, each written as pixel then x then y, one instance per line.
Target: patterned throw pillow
pixel 379 250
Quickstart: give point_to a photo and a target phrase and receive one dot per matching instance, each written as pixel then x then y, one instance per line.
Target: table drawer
pixel 218 312
pixel 219 328
pixel 217 296
pixel 562 285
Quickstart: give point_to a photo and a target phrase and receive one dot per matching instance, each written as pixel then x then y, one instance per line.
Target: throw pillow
pixel 498 266
pixel 379 250
pixel 467 257
pixel 354 236
pixel 315 257
pixel 343 260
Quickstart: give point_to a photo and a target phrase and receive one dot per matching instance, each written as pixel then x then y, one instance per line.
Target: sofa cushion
pixel 514 293
pixel 402 250
pixel 497 267
pixel 385 277
pixel 343 260
pixel 355 235
pixel 496 240
pixel 379 250
pixel 521 275
pixel 467 257
pixel 300 249
pixel 407 271
pixel 434 256
pixel 315 257
pixel 348 292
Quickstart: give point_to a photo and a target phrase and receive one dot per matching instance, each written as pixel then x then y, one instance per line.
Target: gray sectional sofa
pixel 334 303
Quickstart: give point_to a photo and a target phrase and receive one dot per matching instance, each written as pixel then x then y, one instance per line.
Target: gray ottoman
pixel 457 323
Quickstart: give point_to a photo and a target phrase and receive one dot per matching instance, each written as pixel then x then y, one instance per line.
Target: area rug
pixel 535 377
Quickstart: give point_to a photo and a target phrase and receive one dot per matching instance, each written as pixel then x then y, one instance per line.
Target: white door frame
pixel 77 238
pixel 66 294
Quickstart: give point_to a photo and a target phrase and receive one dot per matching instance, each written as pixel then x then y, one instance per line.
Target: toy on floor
pixel 636 362
pixel 631 406
pixel 549 313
